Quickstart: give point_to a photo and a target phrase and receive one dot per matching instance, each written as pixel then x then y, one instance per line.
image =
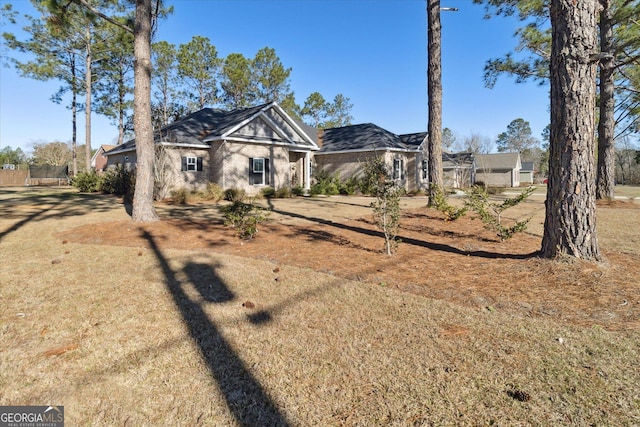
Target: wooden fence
pixel 14 177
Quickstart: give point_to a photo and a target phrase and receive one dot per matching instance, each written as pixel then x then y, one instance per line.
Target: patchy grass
pixel 180 323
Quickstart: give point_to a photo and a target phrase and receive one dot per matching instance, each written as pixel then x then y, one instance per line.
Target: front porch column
pixel 307 170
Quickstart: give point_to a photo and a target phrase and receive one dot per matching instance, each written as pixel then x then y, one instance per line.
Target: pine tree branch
pixel 103 16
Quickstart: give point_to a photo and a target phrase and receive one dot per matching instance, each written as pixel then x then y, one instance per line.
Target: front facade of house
pixel 527 173
pixel 499 169
pixel 458 170
pixel 99 160
pixel 246 149
pixel 345 150
pixel 253 148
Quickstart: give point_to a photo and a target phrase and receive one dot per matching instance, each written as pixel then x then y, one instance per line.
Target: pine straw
pixel 165 335
pixel 457 261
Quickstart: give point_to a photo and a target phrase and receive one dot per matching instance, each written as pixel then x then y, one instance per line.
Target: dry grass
pixel 179 323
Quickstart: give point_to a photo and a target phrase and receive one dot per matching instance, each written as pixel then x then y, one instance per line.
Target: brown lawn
pixel 458 261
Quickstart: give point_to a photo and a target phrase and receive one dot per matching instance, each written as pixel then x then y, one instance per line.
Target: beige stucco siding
pixel 236 165
pixel 349 165
pixel 345 165
pixel 175 178
pixel 127 159
pixel 498 178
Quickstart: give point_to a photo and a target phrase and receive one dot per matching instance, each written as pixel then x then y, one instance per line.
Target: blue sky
pixel 372 51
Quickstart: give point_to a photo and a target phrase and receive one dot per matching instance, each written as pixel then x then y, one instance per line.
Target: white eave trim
pixel 368 150
pixel 120 150
pixel 292 146
pixel 294 125
pixel 262 114
pixel 183 145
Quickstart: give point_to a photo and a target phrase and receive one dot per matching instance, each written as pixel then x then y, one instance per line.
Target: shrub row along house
pixel 263 146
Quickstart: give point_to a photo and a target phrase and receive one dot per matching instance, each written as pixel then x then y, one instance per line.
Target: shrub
pixel 375 171
pixel 490 213
pixel 244 217
pixel 325 184
pixel 213 192
pixel 298 190
pixel 87 182
pixel 268 192
pixel 349 186
pixel 283 193
pixel 440 202
pixel 234 194
pixel 119 181
pixel 180 196
pixel 386 207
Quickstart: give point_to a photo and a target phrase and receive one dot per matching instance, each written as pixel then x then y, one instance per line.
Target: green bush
pixel 268 192
pixel 244 217
pixel 87 182
pixel 375 174
pixel 298 190
pixel 440 202
pixel 491 213
pixel 325 184
pixel 349 186
pixel 119 181
pixel 234 194
pixel 283 193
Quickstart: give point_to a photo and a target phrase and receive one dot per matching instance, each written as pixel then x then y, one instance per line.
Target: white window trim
pixel 398 169
pixel 192 164
pixel 261 162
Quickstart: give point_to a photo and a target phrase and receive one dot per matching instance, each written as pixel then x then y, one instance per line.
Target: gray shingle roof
pixel 498 161
pixel 413 140
pixel 196 127
pixel 366 136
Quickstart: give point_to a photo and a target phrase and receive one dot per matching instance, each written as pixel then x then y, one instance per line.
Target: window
pixel 258 165
pixel 192 164
pixel 259 171
pixel 425 169
pixel 397 169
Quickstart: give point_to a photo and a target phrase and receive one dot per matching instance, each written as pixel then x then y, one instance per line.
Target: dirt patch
pixel 454 261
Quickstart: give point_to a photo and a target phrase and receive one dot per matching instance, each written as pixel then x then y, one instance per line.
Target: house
pixel 247 149
pixel 344 150
pixel 527 173
pixel 499 169
pixel 458 169
pixel 99 160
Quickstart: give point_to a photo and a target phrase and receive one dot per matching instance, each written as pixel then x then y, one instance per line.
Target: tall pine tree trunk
pixel 74 116
pixel 606 127
pixel 434 92
pixel 570 221
pixel 87 110
pixel 143 210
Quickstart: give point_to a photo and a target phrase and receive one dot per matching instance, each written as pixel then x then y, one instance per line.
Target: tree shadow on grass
pixel 244 395
pixel 48 204
pixel 408 240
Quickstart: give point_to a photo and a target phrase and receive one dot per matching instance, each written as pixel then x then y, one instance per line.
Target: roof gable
pixel 414 140
pixel 267 123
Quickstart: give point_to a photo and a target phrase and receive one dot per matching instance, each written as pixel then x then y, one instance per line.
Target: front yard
pixel 181 323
